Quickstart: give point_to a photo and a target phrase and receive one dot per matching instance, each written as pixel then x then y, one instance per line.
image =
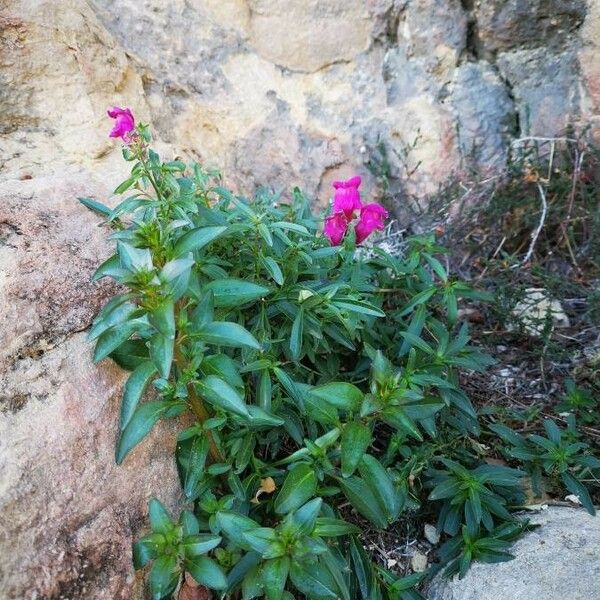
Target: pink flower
pixel 347 196
pixel 371 218
pixel 335 228
pixel 124 123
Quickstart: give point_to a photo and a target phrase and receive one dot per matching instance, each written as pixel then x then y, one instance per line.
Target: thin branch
pixel 538 229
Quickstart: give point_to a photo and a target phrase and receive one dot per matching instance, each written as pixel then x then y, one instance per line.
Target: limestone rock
pixel 533 311
pixel 545 87
pixel 558 560
pixel 307 35
pixel 68 514
pixel 508 24
pixel 478 91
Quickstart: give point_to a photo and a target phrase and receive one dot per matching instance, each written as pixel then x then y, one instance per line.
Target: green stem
pixel 196 403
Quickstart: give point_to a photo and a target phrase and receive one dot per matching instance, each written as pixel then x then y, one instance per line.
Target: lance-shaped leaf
pixel 197 239
pixel 134 388
pixel 299 487
pixel 225 333
pixel 140 424
pixel 221 394
pixel 356 438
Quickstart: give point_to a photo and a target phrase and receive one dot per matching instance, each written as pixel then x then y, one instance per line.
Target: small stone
pixel 533 311
pixel 418 562
pixel 573 499
pixel 431 534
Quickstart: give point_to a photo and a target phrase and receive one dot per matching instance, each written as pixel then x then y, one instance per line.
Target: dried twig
pixel 538 229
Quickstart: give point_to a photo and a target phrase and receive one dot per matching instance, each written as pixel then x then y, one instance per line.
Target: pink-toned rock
pixel 68 514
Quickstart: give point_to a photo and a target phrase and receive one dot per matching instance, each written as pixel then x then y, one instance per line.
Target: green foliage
pixel 293 357
pixel 558 454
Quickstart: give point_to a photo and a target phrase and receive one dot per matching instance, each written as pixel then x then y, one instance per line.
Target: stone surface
pixel 287 93
pixel 559 560
pixel 274 92
pixel 68 514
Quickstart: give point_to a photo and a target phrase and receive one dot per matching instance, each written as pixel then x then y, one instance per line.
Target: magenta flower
pixel 124 123
pixel 371 218
pixel 335 228
pixel 347 196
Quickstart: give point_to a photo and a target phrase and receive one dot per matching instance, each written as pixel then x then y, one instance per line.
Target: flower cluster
pixel 346 207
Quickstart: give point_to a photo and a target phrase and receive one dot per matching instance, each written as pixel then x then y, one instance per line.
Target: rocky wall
pixel 274 92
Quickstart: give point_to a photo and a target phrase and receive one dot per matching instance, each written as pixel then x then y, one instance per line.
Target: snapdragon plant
pixel 318 373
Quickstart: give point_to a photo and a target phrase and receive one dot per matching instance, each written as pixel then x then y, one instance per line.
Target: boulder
pixel 559 560
pixel 68 514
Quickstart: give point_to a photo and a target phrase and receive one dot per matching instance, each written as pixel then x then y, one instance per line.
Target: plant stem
pixel 198 407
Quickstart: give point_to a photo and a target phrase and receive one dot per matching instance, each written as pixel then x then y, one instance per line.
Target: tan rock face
pixel 68 514
pixel 274 92
pixel 307 35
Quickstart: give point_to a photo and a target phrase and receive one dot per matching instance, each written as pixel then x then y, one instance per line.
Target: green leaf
pixel 197 239
pixel 296 335
pixel 111 267
pixel 233 525
pixel 118 315
pixel 194 545
pixel 357 306
pixel 273 269
pixel 196 462
pixel 225 333
pixel 130 354
pixel 362 498
pixel 378 479
pixel 163 318
pixel 274 576
pixel 264 541
pixel 306 516
pixel 134 259
pixel 164 576
pixel 330 527
pixel 264 232
pixel 313 581
pixel 125 185
pixel 230 293
pixel 189 523
pixel 577 488
pixel 220 393
pixel 343 396
pixel 223 367
pixel 161 352
pixel 134 388
pixel 261 418
pixel 206 572
pixel 148 548
pixel 114 336
pixel 140 424
pixel 160 520
pixel 299 486
pixel 356 438
pixel 265 390
pixel 176 268
pixel 95 206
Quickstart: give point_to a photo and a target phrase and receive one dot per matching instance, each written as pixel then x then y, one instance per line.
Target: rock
pixel 285 93
pixel 68 514
pixel 477 91
pixel 322 32
pixel 509 24
pixel 558 560
pixel 533 311
pixel 545 86
pixel 418 562
pixel 431 534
